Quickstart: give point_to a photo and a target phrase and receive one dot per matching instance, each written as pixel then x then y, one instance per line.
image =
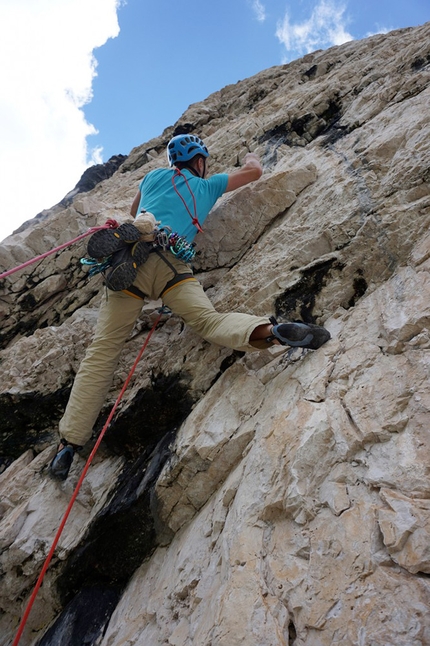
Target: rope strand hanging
pixel 79 484
pixel 110 224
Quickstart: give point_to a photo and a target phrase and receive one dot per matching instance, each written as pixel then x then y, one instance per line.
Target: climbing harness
pixel 24 619
pixel 109 224
pixel 119 269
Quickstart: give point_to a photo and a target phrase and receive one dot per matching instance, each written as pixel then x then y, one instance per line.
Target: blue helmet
pixel 182 148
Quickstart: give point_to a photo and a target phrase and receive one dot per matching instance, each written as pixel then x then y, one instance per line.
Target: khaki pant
pixel 118 314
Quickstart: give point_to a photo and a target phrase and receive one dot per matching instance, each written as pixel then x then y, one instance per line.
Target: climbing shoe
pixel 124 265
pixel 105 242
pixel 60 465
pixel 302 335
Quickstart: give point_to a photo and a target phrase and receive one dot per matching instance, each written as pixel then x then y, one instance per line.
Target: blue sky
pixel 88 79
pixel 171 54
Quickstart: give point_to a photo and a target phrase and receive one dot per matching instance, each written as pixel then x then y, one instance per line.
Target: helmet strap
pixel 193 170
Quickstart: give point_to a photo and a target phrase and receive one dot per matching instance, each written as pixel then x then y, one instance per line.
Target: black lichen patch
pixel 420 62
pixel 292 633
pixel 25 327
pixel 298 301
pixel 25 418
pixel 305 128
pixel 311 72
pixel 183 129
pixel 333 112
pixel 153 412
pixel 255 95
pixel 279 133
pixel 123 534
pixel 84 620
pixel 301 125
pixel 28 302
pixel 359 286
pixel 336 132
pixel 228 362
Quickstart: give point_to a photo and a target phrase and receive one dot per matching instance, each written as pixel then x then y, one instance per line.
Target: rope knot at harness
pixel 111 224
pixel 197 225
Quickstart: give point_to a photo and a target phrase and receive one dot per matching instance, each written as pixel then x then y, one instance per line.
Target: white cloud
pixel 46 72
pixel 259 10
pixel 379 30
pixel 324 28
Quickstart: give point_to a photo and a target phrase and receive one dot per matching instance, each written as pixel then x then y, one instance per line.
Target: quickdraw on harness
pixel 97 266
pixel 178 245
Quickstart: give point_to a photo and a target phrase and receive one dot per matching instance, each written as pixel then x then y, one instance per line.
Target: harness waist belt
pixel 135 292
pixel 177 280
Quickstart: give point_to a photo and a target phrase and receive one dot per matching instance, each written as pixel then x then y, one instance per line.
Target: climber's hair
pixel 189 163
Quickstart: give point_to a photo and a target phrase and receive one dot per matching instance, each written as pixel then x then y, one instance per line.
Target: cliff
pixel 269 499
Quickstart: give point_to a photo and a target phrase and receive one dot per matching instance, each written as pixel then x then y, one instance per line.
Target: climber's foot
pixel 302 335
pixel 60 465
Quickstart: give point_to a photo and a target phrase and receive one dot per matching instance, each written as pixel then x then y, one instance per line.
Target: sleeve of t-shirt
pixel 218 184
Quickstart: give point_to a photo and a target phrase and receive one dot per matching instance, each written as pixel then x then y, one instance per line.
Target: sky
pixel 82 80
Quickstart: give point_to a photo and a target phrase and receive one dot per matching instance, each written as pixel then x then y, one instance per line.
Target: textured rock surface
pixel 270 499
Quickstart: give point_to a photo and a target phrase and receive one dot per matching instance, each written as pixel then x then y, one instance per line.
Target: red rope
pixel 193 217
pixel 78 486
pixel 110 224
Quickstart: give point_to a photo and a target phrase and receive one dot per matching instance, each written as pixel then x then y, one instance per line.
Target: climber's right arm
pixel 249 172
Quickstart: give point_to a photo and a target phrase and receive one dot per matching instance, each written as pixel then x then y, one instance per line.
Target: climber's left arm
pixel 135 205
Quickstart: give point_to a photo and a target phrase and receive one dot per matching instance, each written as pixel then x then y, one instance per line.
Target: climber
pixel 179 197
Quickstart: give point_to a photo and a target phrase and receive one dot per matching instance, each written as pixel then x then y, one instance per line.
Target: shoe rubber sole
pixel 301 335
pixel 60 465
pixel 105 242
pixel 123 274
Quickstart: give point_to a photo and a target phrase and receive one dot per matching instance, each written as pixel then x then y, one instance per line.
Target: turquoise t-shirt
pixel 160 198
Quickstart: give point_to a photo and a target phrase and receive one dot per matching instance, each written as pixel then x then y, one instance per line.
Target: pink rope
pixel 78 486
pixel 110 224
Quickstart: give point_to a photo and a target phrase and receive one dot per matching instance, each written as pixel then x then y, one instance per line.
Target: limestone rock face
pixel 276 498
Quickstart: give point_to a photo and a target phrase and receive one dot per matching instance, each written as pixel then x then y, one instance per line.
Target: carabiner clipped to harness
pixel 178 245
pixel 97 266
pixel 181 248
pixel 162 237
